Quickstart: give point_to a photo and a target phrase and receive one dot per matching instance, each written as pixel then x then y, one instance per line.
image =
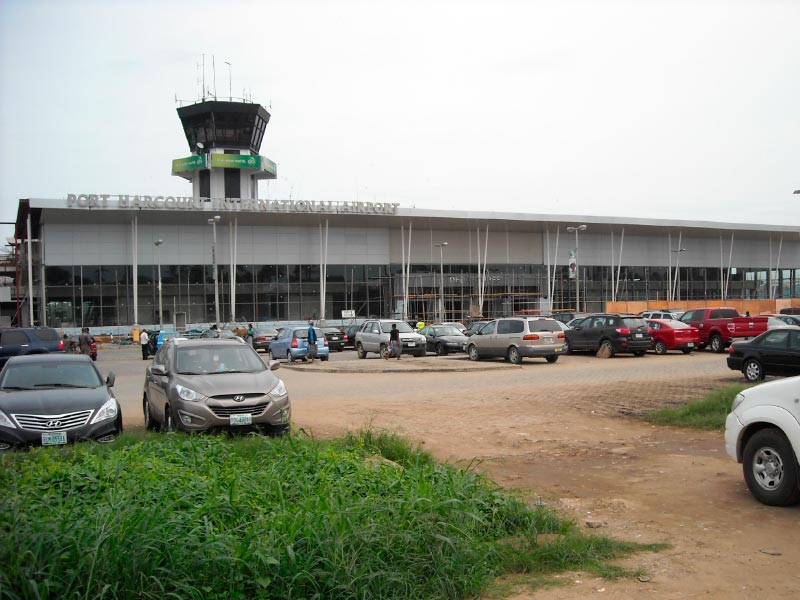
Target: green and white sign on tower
pixel 190 163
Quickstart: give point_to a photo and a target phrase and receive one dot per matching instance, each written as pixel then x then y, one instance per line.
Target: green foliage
pixel 204 517
pixel 708 413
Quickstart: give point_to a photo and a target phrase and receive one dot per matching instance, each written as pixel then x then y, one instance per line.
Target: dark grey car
pixel 52 399
pixel 444 339
pixel 209 385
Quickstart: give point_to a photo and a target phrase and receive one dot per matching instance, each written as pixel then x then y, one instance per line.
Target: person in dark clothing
pixel 85 342
pixel 395 349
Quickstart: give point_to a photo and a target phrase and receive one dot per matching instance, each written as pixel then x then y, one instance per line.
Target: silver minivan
pixel 514 338
pixel 374 337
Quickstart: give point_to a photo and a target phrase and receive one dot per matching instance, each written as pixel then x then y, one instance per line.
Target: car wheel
pixel 686 350
pixel 552 358
pixel 607 348
pixel 360 350
pixel 567 349
pixel 473 352
pixel 384 351
pixel 717 345
pixel 289 356
pixel 753 371
pixel 441 350
pixel 514 356
pixel 770 468
pixel 323 358
pixel 660 347
pixel 640 353
pixel 169 421
pixel 150 424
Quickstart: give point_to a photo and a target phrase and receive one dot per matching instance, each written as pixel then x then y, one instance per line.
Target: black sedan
pixel 444 339
pixel 335 338
pixel 774 352
pixel 262 338
pixel 52 399
pixel 350 335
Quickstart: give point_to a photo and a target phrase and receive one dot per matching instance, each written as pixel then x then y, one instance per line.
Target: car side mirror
pixel 158 370
pixel 111 379
pixel 274 365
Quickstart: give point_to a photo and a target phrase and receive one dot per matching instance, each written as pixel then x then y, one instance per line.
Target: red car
pixel 669 334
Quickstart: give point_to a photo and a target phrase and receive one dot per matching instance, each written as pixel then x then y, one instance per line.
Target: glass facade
pixel 97 296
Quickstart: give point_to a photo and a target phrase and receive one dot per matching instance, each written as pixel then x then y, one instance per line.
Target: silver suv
pixel 373 336
pixel 517 337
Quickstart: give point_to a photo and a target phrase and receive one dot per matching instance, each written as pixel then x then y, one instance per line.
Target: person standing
pixel 144 340
pixel 312 342
pixel 394 342
pixel 85 341
pixel 251 334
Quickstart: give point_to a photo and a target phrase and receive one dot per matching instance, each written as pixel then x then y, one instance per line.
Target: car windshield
pixel 402 326
pixel 200 360
pixel 446 330
pixel 42 375
pixel 543 325
pixel 635 323
pixel 302 334
pixel 332 330
pixel 266 331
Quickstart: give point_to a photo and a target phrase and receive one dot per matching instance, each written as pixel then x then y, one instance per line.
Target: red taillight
pixel 561 335
pixel 730 350
pixel 530 337
pixel 344 337
pixel 261 338
pixel 623 331
pixel 60 345
pixel 294 342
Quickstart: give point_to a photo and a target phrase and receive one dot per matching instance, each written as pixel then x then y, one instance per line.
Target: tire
pixel 686 350
pixel 289 356
pixel 384 351
pixel 567 349
pixel 514 356
pixel 770 468
pixel 360 350
pixel 441 350
pixel 640 353
pixel 660 347
pixel 324 358
pixel 716 344
pixel 150 424
pixel 552 358
pixel 472 352
pixel 609 346
pixel 752 370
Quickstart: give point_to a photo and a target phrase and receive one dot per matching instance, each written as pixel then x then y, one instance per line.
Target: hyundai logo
pixel 54 424
pixel 238 398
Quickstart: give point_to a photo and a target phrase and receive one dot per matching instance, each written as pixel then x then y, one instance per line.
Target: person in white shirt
pixel 144 340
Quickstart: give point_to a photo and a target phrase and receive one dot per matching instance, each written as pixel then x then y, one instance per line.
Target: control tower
pixel 224 139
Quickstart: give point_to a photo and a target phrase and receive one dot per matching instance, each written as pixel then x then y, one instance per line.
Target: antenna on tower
pixel 230 90
pixel 214 71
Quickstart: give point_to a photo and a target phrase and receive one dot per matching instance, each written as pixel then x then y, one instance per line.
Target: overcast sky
pixel 662 109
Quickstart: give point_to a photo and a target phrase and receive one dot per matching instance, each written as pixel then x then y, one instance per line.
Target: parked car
pixel 292 344
pixel 334 337
pixel 795 310
pixel 778 320
pixel 720 326
pixel 669 334
pixel 444 339
pixel 350 335
pixel 220 334
pixel 514 338
pixel 762 432
pixel 20 341
pixel 460 326
pixel 166 335
pixel 213 385
pixel 373 336
pixel 775 352
pixel 475 326
pixel 616 332
pixel 263 337
pixel 53 399
pixel 661 314
pixel 566 317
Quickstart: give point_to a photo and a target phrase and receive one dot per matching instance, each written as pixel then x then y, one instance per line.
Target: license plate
pixel 54 438
pixel 410 344
pixel 548 340
pixel 639 335
pixel 242 419
pixel 690 345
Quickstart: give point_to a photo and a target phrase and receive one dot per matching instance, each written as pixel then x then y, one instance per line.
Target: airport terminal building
pixel 93 259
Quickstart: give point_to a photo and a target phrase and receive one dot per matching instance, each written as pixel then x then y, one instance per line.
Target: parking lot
pixel 567 434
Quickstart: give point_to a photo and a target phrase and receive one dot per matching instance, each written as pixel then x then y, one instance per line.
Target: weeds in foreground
pixel 708 413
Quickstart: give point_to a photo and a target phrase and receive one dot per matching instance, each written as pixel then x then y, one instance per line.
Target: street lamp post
pixel 576 229
pixel 677 275
pixel 158 243
pixel 213 222
pixel 441 246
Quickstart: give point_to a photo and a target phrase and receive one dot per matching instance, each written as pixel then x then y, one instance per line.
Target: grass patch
pixel 707 413
pixel 205 517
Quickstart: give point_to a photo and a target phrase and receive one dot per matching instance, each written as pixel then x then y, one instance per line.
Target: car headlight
pixel 189 394
pixel 107 411
pixel 5 421
pixel 279 391
pixel 737 401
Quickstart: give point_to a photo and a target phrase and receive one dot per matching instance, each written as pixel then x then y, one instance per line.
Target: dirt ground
pixel 568 434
